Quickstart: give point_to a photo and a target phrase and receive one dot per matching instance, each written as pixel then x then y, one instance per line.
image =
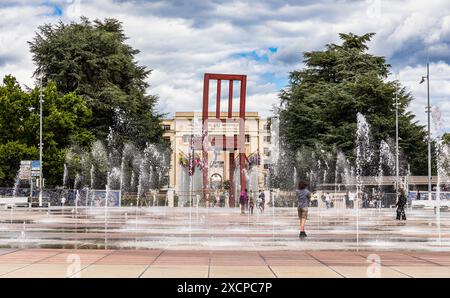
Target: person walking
pixel 401 203
pixel 243 200
pixel 262 201
pixel 418 195
pixel 303 198
pixel 327 200
pixel 217 197
pixel 197 198
pixel 379 201
pixel 351 200
pixel 251 202
pixel 227 199
pixel 347 199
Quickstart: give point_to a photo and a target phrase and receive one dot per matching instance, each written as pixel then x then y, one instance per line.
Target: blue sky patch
pixel 279 81
pixel 260 56
pixel 253 55
pixel 57 11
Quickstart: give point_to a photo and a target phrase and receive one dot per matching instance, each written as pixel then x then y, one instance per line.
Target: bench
pixel 430 204
pixel 10 202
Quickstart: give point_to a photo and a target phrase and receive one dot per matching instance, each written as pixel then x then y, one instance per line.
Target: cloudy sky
pixel 181 40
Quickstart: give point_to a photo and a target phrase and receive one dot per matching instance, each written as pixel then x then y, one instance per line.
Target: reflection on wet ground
pixel 221 228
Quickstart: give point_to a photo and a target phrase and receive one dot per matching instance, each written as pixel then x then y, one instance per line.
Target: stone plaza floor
pixel 220 242
pixel 156 263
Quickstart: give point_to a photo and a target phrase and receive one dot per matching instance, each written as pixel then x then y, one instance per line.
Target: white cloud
pixel 181 40
pixel 439 92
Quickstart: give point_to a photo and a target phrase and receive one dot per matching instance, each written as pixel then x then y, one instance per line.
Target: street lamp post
pixel 397 171
pixel 41 180
pixel 427 77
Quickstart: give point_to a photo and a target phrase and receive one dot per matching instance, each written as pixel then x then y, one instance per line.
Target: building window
pixel 166 180
pixel 267 139
pixel 186 138
pixel 218 164
pixel 247 138
pixel 266 151
pixel 266 127
pixel 166 139
pixel 166 127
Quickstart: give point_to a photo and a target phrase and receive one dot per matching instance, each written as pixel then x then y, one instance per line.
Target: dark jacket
pixel 401 203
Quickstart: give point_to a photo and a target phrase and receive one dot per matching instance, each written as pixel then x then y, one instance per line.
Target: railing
pixel 217 198
pixel 67 197
pixel 385 181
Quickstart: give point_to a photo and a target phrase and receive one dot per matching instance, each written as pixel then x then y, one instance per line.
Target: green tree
pixel 227 185
pixel 11 153
pixel 65 118
pixel 446 138
pixel 93 60
pixel 319 106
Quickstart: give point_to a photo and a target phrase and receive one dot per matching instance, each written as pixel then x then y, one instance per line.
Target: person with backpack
pixel 303 198
pixel 401 203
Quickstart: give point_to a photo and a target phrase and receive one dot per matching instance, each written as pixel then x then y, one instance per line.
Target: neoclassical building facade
pixel 179 129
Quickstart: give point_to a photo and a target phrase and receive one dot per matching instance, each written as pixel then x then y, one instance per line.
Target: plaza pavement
pixel 219 242
pixel 60 263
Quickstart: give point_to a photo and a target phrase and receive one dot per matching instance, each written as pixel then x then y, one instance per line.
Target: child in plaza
pixel 303 199
pixel 401 203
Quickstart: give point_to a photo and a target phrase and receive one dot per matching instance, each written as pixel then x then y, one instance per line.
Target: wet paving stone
pixel 221 229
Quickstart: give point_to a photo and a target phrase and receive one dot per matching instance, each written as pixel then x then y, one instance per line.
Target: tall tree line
pixel 320 103
pixel 94 89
